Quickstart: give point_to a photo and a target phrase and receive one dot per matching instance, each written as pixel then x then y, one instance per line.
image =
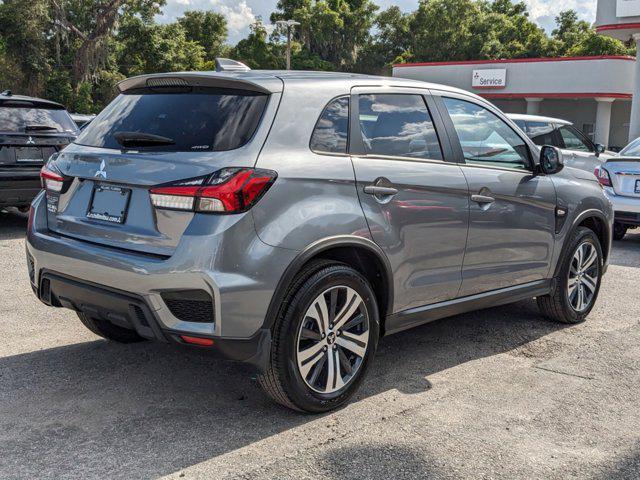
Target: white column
pixel 533 106
pixel 603 120
pixel 634 127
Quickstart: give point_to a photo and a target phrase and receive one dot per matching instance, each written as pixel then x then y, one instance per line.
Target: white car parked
pixel 579 151
pixel 620 179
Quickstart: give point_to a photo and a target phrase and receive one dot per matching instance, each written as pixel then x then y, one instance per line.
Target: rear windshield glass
pixel 34 120
pixel 200 119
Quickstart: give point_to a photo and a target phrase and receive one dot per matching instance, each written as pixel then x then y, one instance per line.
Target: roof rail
pixel 6 93
pixel 229 65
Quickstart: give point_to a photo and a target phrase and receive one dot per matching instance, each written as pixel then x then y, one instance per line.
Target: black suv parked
pixel 31 130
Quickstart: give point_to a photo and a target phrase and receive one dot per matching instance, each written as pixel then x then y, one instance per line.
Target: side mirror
pixel 599 148
pixel 551 160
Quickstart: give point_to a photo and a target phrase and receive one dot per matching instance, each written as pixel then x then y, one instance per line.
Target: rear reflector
pixel 203 342
pixel 51 180
pixel 230 190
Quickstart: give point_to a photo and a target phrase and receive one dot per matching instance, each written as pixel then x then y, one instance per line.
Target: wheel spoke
pixel 572 287
pixel 579 254
pixel 317 369
pixel 592 256
pixel 589 282
pixel 580 297
pixel 331 372
pixel 308 353
pixel 320 313
pixel 344 361
pixel 351 305
pixel 310 334
pixel 354 343
pixel 355 321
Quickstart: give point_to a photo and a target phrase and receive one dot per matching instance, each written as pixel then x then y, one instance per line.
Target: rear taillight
pixel 603 176
pixel 230 190
pixel 51 180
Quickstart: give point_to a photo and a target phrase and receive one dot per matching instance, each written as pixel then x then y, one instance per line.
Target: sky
pixel 242 13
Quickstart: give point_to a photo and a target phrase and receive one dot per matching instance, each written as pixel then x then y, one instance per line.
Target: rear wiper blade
pixel 141 139
pixel 32 128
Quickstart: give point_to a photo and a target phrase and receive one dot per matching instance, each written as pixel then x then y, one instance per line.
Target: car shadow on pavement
pixel 13 224
pixel 99 409
pixel 626 252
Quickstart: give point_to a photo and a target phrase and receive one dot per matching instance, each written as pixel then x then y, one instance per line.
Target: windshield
pixel 40 120
pixel 632 150
pixel 195 119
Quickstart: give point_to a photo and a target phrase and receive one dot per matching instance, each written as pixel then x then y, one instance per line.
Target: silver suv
pixel 290 220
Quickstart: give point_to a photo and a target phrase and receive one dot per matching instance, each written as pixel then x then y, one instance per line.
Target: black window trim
pixel 439 95
pixel 315 126
pixel 356 143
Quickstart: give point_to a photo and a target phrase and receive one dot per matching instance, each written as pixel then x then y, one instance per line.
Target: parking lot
pixel 499 393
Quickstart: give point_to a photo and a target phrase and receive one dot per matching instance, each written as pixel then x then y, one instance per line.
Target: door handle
pixel 482 199
pixel 380 191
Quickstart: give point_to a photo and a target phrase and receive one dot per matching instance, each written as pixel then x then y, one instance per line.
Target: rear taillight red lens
pixel 51 180
pixel 603 176
pixel 230 190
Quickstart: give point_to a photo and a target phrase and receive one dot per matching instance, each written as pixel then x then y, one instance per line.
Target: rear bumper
pixel 240 297
pixel 628 205
pixel 18 188
pixel 131 311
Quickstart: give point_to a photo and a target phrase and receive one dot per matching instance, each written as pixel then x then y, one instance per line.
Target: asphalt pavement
pixel 499 393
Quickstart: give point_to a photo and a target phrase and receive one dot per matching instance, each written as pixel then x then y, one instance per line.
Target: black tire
pixel 282 380
pixel 109 331
pixel 556 306
pixel 619 231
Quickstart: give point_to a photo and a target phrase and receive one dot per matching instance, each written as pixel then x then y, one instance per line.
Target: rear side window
pixel 23 119
pixel 196 120
pixel 332 129
pixel 542 133
pixel 398 125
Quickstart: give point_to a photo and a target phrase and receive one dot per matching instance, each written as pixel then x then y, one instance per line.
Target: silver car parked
pixel 291 220
pixel 579 151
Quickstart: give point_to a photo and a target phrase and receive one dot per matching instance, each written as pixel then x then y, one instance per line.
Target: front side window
pixel 542 133
pixel 398 125
pixel 573 140
pixel 193 119
pixel 332 130
pixel 485 138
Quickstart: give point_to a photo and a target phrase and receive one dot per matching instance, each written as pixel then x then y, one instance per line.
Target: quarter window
pixel 331 132
pixel 398 125
pixel 485 138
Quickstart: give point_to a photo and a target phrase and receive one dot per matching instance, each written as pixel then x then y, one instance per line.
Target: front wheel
pixel 323 340
pixel 578 282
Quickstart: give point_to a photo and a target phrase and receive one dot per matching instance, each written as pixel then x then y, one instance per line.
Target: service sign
pixel 494 78
pixel 628 8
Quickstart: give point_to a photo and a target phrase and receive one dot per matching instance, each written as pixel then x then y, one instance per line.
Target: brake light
pixel 603 176
pixel 51 180
pixel 230 190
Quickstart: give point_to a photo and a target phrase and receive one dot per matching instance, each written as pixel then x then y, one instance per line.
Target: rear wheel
pixel 109 331
pixel 578 281
pixel 619 231
pixel 324 339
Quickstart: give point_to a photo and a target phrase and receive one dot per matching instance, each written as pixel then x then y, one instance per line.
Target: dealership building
pixel 599 95
pixel 594 93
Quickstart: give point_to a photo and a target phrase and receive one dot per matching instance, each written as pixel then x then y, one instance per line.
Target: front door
pixel 415 200
pixel 512 211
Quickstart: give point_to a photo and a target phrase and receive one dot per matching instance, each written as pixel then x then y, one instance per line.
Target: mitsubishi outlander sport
pixel 290 220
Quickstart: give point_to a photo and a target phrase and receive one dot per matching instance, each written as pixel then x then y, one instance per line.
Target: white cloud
pixel 544 12
pixel 239 17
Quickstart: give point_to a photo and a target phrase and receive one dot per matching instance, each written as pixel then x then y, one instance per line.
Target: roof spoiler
pixel 267 84
pixel 228 65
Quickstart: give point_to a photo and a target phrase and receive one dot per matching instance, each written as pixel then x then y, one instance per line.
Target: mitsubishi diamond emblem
pixel 30 141
pixel 101 173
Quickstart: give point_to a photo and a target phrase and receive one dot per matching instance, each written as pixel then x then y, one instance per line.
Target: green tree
pixel 208 29
pixel 390 42
pixel 256 51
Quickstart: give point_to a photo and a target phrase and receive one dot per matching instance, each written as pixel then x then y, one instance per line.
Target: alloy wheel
pixel 332 340
pixel 582 283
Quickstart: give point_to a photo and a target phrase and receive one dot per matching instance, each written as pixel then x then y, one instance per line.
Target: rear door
pixel 106 197
pixel 512 211
pixel 414 197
